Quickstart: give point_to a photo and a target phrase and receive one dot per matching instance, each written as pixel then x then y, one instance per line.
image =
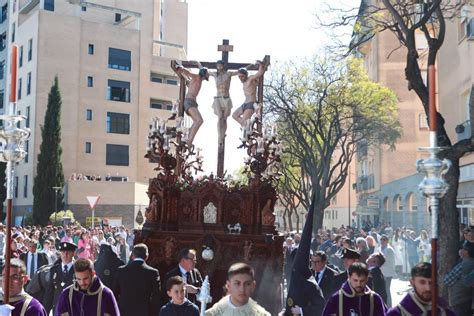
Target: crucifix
pixel 222 104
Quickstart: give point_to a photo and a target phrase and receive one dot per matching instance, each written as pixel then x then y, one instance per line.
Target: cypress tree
pixel 49 171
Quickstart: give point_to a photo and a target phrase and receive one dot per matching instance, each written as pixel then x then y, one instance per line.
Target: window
pixel 49 5
pixel 118 17
pixel 116 155
pixel 156 78
pixel 89 115
pixel 21 57
pixel 84 9
pixel 118 90
pixel 25 186
pixel 28 84
pixel 422 121
pixel 3 41
pixel 4 16
pixel 27 149
pixel 88 147
pixel 118 123
pixel 2 70
pixel 30 49
pixel 2 96
pixel 27 121
pixel 91 49
pixel 16 187
pixel 19 88
pixel 13 32
pixel 173 82
pixel 120 59
pixel 161 105
pixel 90 81
pixel 19 122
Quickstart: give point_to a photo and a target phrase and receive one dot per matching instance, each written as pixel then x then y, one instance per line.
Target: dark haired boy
pixel 240 285
pixel 179 304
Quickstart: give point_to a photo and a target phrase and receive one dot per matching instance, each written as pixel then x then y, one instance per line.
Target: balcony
pixel 27 5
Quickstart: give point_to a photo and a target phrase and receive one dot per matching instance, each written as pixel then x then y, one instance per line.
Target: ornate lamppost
pixel 56 189
pixel 12 140
pixel 433 185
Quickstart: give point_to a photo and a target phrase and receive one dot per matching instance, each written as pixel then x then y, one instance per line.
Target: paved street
pixel 398 289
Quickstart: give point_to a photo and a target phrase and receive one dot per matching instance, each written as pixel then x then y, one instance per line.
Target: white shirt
pixel 320 276
pixel 184 274
pixel 69 266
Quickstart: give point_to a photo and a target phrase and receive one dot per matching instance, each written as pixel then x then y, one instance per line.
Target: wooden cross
pixel 225 48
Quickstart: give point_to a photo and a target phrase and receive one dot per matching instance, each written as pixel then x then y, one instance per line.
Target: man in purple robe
pixel 418 302
pixel 355 298
pixel 23 303
pixel 87 296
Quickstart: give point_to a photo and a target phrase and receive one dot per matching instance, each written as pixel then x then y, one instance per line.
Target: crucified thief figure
pixel 244 112
pixel 222 103
pixel 194 82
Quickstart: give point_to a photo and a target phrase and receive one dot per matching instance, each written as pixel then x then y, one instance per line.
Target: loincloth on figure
pixel 189 103
pixel 222 106
pixel 248 106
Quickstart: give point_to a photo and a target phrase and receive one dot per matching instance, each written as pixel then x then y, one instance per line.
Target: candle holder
pixel 204 295
pixel 184 162
pixel 13 138
pixel 264 150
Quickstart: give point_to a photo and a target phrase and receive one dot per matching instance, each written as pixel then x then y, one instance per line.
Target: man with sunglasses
pixel 23 303
pixel 187 270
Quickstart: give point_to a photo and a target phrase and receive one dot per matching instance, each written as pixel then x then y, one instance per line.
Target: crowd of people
pixel 71 270
pixel 385 253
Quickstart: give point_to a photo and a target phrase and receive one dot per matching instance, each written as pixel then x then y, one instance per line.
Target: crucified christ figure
pixel 222 102
pixel 194 82
pixel 244 112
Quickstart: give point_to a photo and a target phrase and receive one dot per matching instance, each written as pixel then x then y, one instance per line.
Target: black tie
pixel 32 267
pixel 66 269
pixel 317 277
pixel 189 279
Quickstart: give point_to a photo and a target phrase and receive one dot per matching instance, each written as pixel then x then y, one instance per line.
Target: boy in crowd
pixel 240 285
pixel 179 304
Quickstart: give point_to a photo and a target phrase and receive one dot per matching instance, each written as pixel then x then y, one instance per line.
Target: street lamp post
pixel 12 139
pixel 433 185
pixel 56 189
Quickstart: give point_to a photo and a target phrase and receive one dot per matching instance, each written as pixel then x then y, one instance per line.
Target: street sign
pixel 93 201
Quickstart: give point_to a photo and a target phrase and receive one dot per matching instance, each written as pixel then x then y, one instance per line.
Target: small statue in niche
pixel 210 213
pixel 268 218
pixel 152 212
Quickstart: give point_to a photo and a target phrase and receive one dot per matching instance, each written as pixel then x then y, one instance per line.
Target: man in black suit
pixel 33 260
pixel 187 270
pixel 348 256
pixel 137 285
pixel 61 275
pixel 323 274
pixel 376 279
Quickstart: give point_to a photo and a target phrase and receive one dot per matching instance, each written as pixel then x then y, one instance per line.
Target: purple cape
pixel 87 303
pixel 34 307
pixel 411 305
pixel 360 304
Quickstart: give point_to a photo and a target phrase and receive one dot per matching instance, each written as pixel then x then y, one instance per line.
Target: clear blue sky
pixel 283 29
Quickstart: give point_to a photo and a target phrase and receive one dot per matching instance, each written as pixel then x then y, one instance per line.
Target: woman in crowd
pixel 83 246
pixel 363 249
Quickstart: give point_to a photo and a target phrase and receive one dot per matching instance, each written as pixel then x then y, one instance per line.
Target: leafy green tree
pixel 49 169
pixel 325 110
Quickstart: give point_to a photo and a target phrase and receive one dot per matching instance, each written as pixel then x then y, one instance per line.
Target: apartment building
pixel 387 180
pixel 456 98
pixel 112 60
